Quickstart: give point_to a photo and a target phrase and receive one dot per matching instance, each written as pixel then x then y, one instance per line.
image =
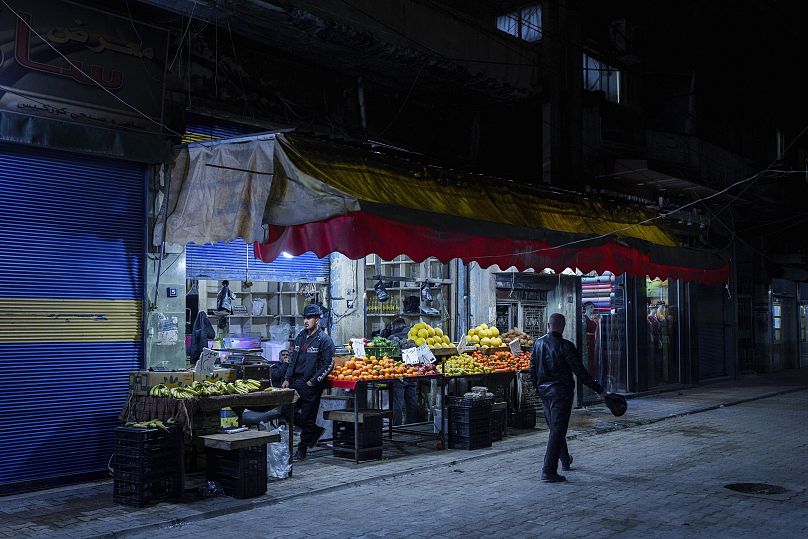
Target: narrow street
pixel 665 479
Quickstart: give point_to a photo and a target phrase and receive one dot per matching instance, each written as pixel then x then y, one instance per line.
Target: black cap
pixel 311 311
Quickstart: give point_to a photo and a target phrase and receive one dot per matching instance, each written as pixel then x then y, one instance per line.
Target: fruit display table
pixel 144 408
pixel 357 387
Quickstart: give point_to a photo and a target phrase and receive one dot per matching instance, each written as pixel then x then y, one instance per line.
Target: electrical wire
pixel 179 45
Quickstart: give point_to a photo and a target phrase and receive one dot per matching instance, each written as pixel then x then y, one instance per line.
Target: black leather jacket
pixel 312 358
pixel 552 362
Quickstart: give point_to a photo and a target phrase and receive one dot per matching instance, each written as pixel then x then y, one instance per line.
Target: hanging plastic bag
pixel 381 292
pixel 426 293
pixel 278 455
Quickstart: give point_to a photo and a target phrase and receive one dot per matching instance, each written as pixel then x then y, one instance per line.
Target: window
pixel 524 23
pixel 601 77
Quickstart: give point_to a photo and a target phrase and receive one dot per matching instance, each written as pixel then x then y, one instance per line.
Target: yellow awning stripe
pixel 386 180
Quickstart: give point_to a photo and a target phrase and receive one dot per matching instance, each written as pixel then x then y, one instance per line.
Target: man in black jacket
pixel 312 360
pixel 552 362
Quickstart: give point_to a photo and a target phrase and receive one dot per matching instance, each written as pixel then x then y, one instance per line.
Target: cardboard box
pixel 226 375
pixel 140 382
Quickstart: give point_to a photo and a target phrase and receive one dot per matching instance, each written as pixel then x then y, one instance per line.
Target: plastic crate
pixel 498 420
pixel 244 487
pixel 469 403
pixel 370 433
pixel 460 428
pixel 476 441
pixel 469 413
pixel 130 441
pixel 381 351
pixel 238 463
pixel 523 419
pixel 129 468
pixel 142 493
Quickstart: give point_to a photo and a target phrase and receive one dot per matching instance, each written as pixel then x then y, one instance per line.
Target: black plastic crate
pixel 498 420
pixel 476 441
pixel 370 432
pixel 524 419
pixel 136 442
pixel 364 454
pixel 237 464
pixel 142 493
pixel 469 413
pixel 244 487
pixel 143 467
pixel 471 403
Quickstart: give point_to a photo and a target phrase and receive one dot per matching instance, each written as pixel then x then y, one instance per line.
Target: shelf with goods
pixel 405 278
pixel 262 305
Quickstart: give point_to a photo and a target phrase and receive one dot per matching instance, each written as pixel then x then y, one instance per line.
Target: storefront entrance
pixel 659 352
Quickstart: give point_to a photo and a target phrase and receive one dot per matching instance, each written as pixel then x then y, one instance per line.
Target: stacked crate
pixel 469 423
pixel 370 438
pixel 147 465
pixel 499 414
pixel 242 473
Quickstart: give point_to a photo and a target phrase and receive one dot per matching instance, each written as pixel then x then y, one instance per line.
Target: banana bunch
pixel 208 388
pixel 152 424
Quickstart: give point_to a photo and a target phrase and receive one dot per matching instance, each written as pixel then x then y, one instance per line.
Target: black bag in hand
pixel 616 403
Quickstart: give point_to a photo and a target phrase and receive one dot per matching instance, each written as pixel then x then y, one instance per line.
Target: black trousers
pixel 405 392
pixel 557 414
pixel 306 408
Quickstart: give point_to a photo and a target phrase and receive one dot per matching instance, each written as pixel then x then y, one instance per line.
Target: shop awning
pixel 326 197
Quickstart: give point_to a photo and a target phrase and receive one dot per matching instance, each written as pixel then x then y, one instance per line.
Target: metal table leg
pixel 291 435
pixel 356 423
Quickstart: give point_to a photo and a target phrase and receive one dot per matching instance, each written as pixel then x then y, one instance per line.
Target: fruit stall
pixel 428 354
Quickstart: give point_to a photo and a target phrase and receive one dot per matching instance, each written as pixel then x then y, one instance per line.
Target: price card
pixel 358 347
pixel 425 354
pixel 461 346
pixel 410 356
pixel 516 348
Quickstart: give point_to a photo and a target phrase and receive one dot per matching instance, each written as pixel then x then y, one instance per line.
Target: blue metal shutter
pixel 229 261
pixel 72 244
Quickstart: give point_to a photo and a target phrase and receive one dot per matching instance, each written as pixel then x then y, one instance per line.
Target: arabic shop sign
pixel 115 65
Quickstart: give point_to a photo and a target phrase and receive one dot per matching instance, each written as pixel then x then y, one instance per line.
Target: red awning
pixel 358 234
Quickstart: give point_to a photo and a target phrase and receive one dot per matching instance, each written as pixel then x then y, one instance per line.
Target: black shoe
pixel 552 478
pixel 319 432
pixel 299 455
pixel 566 466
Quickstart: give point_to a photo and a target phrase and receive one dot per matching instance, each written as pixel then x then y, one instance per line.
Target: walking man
pixel 312 360
pixel 552 362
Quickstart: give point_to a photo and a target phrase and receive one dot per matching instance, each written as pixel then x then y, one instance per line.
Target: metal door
pixel 72 245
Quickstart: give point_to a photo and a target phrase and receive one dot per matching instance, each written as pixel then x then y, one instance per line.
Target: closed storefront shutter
pixel 72 243
pixel 710 331
pixel 232 261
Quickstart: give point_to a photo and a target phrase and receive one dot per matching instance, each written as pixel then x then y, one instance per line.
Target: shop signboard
pixel 516 347
pixel 69 62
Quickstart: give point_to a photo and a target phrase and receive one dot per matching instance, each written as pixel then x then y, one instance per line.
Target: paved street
pixel 664 479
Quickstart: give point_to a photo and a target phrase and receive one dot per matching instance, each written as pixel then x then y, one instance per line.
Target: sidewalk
pixel 87 510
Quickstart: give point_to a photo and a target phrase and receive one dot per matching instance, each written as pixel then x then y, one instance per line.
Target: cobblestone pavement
pixel 660 480
pixel 497 487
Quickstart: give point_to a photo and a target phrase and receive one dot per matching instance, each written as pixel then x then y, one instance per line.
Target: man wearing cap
pixel 553 360
pixel 312 359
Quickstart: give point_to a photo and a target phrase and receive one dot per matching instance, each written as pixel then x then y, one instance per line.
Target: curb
pixel 265 503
